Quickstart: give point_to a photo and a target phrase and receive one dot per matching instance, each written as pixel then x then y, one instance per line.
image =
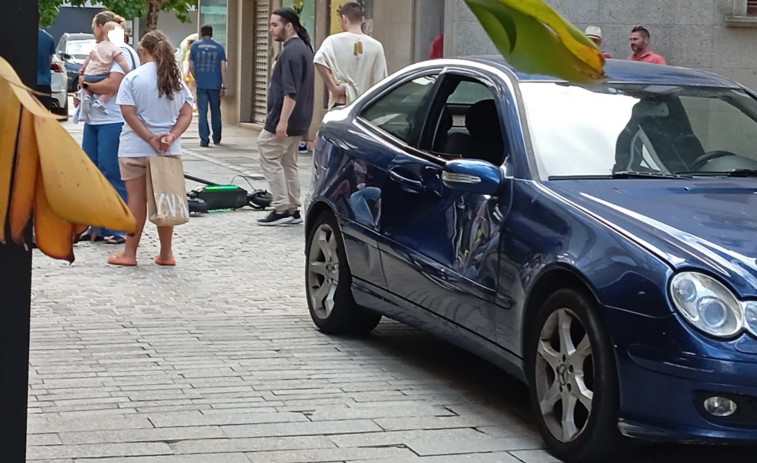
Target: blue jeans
pixel 100 142
pixel 212 98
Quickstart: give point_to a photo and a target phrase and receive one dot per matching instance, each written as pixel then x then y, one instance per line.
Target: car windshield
pixel 640 131
pixel 80 48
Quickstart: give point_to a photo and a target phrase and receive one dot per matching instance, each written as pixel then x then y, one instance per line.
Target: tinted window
pixel 399 112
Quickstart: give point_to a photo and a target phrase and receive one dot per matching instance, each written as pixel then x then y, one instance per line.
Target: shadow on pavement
pixel 484 383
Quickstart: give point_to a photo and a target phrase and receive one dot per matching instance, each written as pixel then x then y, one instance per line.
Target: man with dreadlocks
pixel 290 111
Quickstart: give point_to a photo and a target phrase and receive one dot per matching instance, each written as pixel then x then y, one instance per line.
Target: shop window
pixel 215 13
pixel 306 10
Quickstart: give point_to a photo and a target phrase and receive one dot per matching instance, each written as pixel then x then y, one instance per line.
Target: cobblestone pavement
pixel 216 360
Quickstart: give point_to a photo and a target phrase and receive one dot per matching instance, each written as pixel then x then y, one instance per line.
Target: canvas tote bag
pixel 166 191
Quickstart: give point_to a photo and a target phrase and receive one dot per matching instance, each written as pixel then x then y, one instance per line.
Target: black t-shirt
pixel 293 75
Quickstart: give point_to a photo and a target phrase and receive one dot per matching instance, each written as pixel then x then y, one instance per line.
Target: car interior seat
pixel 667 129
pixel 484 138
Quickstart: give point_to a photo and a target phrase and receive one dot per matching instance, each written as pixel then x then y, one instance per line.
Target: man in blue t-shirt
pixel 45 51
pixel 207 64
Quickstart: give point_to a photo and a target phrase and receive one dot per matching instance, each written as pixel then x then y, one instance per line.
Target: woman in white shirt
pixel 157 108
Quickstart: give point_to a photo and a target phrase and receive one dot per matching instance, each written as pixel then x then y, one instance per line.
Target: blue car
pixel 599 241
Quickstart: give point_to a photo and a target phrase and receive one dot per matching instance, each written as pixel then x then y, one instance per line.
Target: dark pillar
pixel 18 21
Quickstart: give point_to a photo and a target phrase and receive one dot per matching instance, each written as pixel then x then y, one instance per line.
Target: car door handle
pixel 399 178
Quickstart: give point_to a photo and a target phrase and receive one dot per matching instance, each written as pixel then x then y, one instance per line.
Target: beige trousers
pixel 278 159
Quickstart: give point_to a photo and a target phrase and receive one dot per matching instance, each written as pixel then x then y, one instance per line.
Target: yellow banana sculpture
pixel 535 39
pixel 45 174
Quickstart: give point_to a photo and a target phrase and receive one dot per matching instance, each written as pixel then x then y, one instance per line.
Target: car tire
pixel 328 282
pixel 570 360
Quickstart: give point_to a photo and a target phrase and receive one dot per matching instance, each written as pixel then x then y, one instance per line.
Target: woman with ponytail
pixel 290 111
pixel 157 108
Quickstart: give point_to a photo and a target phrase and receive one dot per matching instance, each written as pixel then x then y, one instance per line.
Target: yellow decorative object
pixel 535 39
pixel 45 173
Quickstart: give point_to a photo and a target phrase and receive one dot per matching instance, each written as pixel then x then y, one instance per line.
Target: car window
pixel 400 111
pixel 80 48
pixel 721 126
pixel 599 130
pixel 469 92
pixel 468 122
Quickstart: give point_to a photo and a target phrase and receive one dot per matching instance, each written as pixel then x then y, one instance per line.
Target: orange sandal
pixel 119 259
pixel 165 262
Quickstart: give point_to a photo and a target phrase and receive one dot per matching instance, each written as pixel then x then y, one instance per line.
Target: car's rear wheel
pixel 573 380
pixel 328 282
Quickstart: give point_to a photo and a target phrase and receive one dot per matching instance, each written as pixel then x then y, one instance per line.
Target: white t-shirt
pixel 114 116
pixel 158 113
pixel 356 62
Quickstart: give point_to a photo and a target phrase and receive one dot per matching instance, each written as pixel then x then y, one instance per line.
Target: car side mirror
pixel 64 56
pixel 472 176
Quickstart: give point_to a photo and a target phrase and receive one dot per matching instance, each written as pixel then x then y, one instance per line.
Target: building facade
pixel 715 35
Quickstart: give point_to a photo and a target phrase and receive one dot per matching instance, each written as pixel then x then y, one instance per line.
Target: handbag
pixel 166 192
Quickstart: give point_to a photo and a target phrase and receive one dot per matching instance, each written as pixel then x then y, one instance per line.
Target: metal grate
pixel 751 7
pixel 261 66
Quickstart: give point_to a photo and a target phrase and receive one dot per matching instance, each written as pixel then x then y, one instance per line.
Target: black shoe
pixel 217 142
pixel 204 145
pixel 296 217
pixel 274 218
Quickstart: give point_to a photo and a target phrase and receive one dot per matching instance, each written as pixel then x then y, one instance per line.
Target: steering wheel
pixel 702 160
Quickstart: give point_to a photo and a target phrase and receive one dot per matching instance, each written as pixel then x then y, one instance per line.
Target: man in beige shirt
pixel 350 62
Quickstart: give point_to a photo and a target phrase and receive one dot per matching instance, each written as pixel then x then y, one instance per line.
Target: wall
pixel 393 27
pixel 72 20
pixel 174 29
pixel 691 33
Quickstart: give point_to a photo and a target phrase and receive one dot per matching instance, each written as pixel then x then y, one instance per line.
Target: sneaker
pixel 303 149
pixel 100 106
pixel 275 218
pixel 296 217
pixel 85 105
pixel 204 145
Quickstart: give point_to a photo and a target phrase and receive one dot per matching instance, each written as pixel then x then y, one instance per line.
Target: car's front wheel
pixel 573 380
pixel 328 282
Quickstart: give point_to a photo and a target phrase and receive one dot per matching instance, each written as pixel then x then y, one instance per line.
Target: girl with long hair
pixel 157 107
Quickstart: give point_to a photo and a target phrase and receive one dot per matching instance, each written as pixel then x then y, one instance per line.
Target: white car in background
pixel 59 87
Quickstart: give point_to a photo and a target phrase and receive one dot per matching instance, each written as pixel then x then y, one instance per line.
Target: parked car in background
pixel 597 241
pixel 59 86
pixel 73 49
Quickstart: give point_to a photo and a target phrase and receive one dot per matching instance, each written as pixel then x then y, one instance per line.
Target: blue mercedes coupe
pixel 597 241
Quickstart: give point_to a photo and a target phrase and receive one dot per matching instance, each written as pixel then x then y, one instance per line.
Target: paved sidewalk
pixel 216 360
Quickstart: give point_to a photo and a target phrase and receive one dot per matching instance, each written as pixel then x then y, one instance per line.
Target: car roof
pixel 623 71
pixel 78 35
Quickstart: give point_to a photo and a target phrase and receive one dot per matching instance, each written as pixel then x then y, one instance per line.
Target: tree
pixel 129 9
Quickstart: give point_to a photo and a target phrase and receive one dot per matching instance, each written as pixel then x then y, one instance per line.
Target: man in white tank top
pixel 350 62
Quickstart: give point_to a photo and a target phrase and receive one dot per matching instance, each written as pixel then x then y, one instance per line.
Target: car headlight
pixel 750 316
pixel 709 306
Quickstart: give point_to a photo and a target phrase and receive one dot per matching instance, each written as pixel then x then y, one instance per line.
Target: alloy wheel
pixel 323 270
pixel 564 375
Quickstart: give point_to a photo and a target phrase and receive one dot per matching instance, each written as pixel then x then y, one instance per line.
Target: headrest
pixel 482 120
pixel 651 109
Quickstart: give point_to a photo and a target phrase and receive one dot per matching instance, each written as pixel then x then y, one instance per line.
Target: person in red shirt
pixel 640 47
pixel 437 47
pixel 594 33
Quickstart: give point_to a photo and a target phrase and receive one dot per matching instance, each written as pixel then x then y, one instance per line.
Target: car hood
pixel 710 223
